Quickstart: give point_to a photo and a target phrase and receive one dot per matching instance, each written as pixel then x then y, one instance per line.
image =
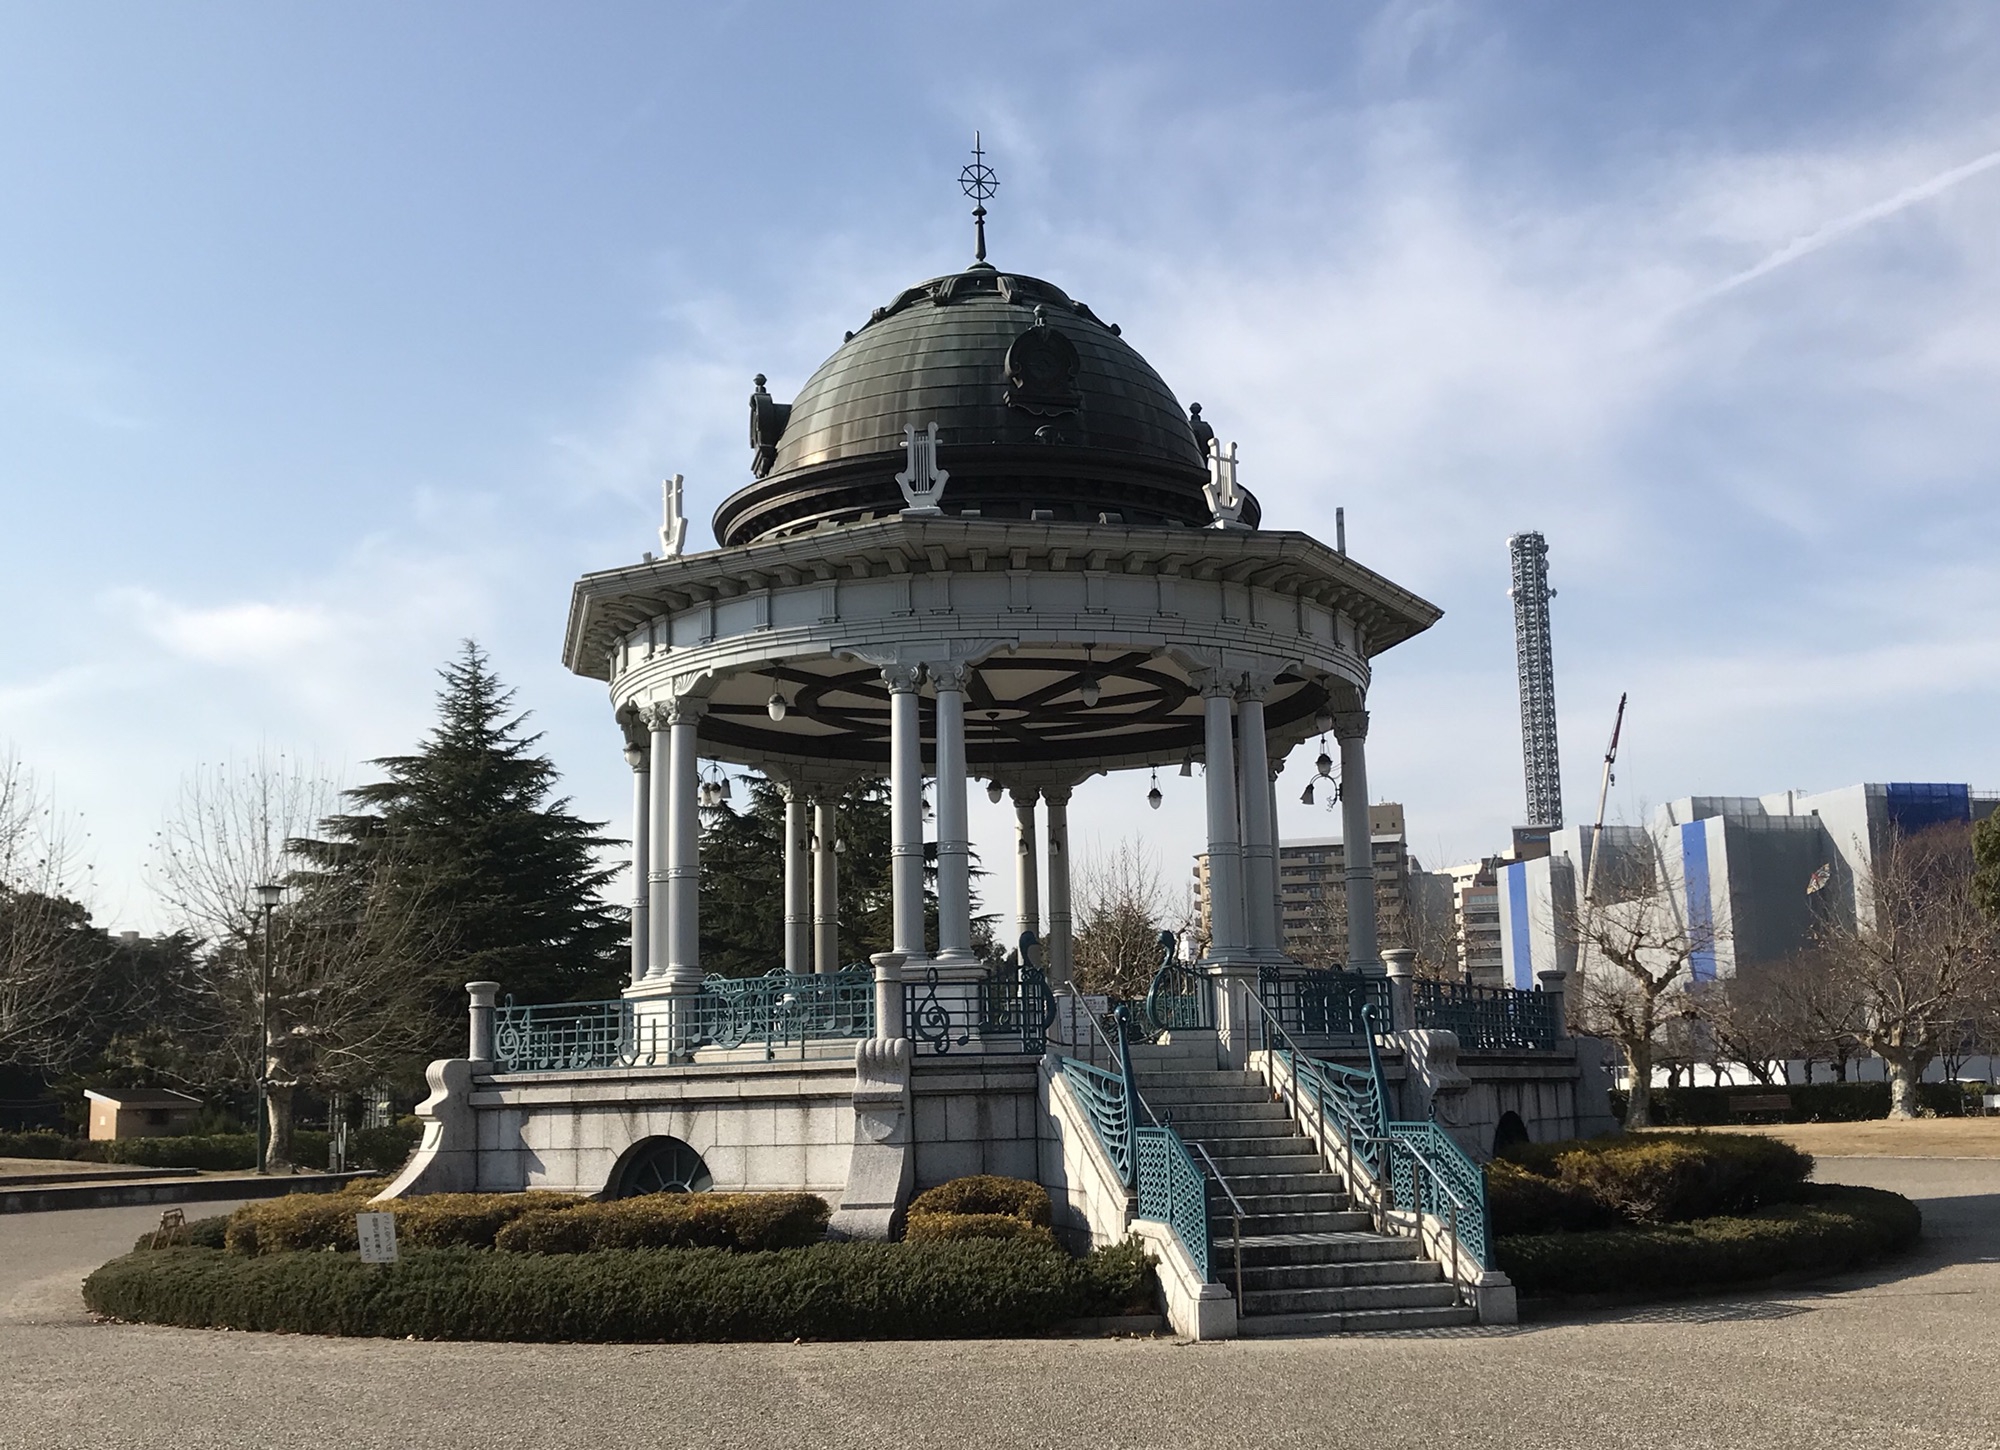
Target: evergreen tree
pixel 511 880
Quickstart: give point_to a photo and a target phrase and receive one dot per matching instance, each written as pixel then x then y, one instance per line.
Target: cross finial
pixel 979 183
pixel 673 523
pixel 1225 499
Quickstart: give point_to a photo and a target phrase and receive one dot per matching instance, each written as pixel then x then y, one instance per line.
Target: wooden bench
pixel 1778 1103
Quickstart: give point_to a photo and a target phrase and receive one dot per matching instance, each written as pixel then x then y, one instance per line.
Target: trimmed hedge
pixel 988 1193
pixel 433 1220
pixel 1652 1178
pixel 1820 1102
pixel 1832 1227
pixel 382 1149
pixel 829 1291
pixel 739 1222
pixel 939 1228
pixel 201 1233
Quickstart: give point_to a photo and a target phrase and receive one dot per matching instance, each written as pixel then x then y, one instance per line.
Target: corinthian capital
pixel 1350 725
pixel 902 679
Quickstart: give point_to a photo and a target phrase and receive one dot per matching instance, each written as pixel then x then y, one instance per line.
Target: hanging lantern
pixel 1325 765
pixel 1153 796
pixel 777 706
pixel 994 792
pixel 1091 693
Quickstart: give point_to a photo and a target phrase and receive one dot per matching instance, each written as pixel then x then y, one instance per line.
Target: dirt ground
pixel 1889 1138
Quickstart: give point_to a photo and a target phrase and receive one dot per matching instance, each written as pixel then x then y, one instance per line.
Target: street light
pixel 268 894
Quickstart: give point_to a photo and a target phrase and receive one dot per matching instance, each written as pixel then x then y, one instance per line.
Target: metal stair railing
pixel 1390 1165
pixel 1151 1156
pixel 1236 1217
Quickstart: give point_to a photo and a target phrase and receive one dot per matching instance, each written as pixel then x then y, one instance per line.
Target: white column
pixel 1350 728
pixel 1027 877
pixel 659 827
pixel 906 814
pixel 954 846
pixel 1277 856
pixel 1253 787
pixel 684 849
pixel 798 882
pixel 1061 963
pixel 1225 859
pixel 639 758
pixel 826 885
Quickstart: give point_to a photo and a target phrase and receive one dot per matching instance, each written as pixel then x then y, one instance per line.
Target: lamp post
pixel 267 899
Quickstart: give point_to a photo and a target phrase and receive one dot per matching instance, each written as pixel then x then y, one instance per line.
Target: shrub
pixel 37 1144
pixel 828 1291
pixel 201 1233
pixel 384 1150
pixel 1519 1201
pixel 987 1193
pixel 1655 1178
pixel 215 1152
pixel 1820 1102
pixel 1833 1227
pixel 936 1228
pixel 326 1220
pixel 740 1222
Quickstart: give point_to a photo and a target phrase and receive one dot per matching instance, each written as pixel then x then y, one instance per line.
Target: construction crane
pixel 1536 661
pixel 1603 796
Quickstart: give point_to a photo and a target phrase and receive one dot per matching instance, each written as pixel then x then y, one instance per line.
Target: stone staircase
pixel 1312 1264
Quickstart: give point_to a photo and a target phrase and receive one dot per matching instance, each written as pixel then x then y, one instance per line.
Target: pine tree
pixel 513 880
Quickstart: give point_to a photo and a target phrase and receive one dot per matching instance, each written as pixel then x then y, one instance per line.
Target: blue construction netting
pixel 1912 806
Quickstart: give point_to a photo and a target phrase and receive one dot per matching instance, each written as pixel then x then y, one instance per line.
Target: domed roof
pixel 1041 408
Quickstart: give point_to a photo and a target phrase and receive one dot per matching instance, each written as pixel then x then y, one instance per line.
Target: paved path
pixel 1898 1357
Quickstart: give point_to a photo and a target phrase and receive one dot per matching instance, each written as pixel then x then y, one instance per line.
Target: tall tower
pixel 1536 661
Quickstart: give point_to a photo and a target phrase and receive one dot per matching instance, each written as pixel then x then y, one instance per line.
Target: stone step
pixel 1269 1225
pixel 1273 1250
pixel 1236 1168
pixel 1347 1299
pixel 1174 1099
pixel 1361 1321
pixel 1325 1276
pixel 1207 1115
pixel 1184 1077
pixel 1257 1204
pixel 1224 1146
pixel 1249 1185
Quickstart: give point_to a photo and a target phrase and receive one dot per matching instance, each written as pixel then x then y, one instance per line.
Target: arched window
pixel 660 1165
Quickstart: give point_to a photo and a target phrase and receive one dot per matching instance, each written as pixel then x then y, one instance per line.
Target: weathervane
pixel 979 183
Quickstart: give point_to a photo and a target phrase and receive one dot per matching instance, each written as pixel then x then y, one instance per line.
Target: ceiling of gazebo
pixel 1025 713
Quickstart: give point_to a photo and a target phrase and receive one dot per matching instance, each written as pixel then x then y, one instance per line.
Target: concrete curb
pixel 11 1181
pixel 184 1190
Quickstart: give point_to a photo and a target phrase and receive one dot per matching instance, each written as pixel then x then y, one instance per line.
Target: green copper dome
pixel 1042 409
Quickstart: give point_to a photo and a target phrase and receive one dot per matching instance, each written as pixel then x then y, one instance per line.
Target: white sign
pixel 377 1235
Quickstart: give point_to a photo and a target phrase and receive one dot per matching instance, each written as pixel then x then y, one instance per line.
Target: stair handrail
pixel 1236 1217
pixel 1373 1158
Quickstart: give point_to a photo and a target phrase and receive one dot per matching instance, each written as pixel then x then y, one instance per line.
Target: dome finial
pixel 979 183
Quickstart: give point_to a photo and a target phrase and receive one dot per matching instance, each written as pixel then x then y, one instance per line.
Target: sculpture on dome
pixel 921 480
pixel 1225 499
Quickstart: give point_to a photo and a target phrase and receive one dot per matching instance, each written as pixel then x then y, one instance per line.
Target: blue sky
pixel 332 334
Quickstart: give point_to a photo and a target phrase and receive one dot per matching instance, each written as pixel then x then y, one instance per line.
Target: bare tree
pixel 47 950
pixel 348 955
pixel 1920 959
pixel 1753 1019
pixel 1121 907
pixel 1636 948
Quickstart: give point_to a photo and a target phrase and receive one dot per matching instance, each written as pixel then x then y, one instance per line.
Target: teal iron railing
pixel 1180 998
pixel 781 1009
pixel 1393 1165
pixel 1488 1019
pixel 1312 1003
pixel 1174 1191
pixel 574 1037
pixel 1430 1173
pixel 1008 1011
pixel 1103 1097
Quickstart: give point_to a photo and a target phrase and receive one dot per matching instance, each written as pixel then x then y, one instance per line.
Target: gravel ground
pixel 1890 1357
